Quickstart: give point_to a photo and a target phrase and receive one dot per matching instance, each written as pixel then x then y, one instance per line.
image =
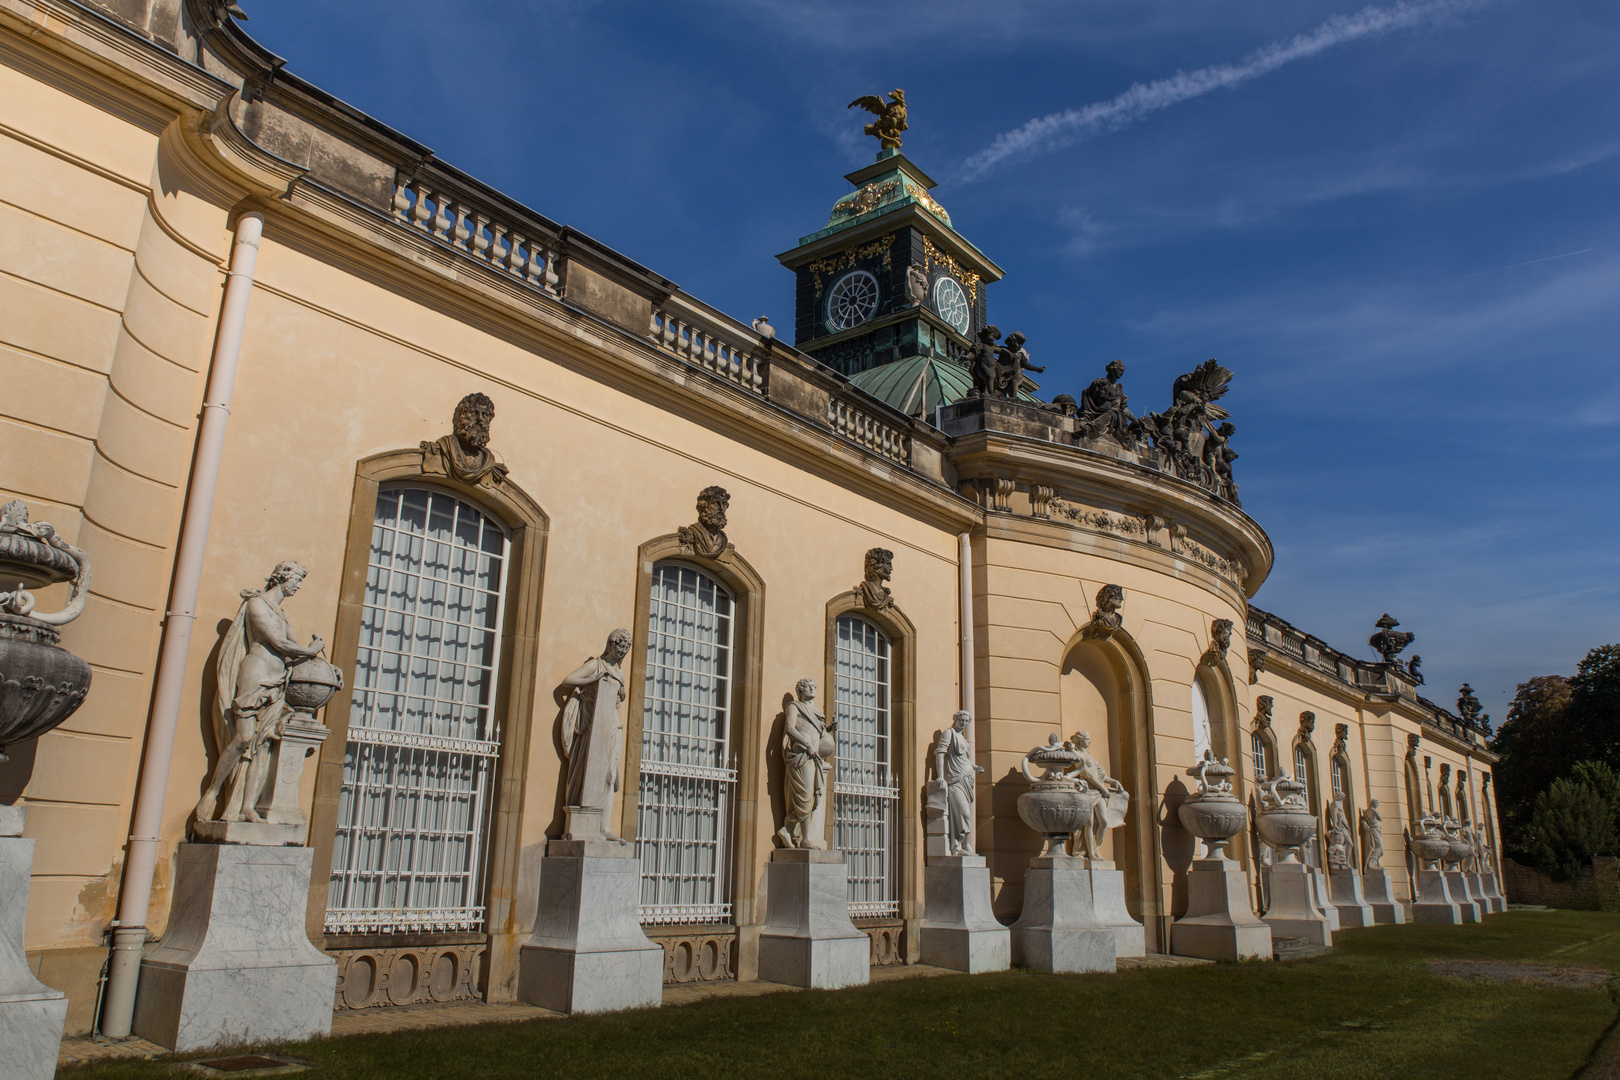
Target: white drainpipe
pixel 964 560
pixel 129 935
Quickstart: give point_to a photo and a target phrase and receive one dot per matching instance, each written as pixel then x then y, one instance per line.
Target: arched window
pixel 1258 745
pixel 1302 770
pixel 866 792
pixel 419 765
pixel 1200 719
pixel 688 776
pixel 1338 779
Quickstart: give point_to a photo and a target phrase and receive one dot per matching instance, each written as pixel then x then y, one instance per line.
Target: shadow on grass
pixel 1371 1010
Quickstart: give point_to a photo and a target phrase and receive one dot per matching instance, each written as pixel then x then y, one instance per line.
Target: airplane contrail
pixel 1071 125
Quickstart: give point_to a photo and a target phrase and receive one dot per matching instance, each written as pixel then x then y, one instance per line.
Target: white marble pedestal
pixel 1380 894
pixel 1493 893
pixel 1345 891
pixel 808 939
pixel 961 931
pixel 588 953
pixel 1292 913
pixel 1219 924
pixel 1476 889
pixel 31 1013
pixel 1108 894
pixel 1322 899
pixel 1434 903
pixel 1457 885
pixel 235 965
pixel 1060 929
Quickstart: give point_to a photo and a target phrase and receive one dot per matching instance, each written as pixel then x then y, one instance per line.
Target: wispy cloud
pixel 1072 125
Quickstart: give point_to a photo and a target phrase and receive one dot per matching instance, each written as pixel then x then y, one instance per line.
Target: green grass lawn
pixel 1372 1009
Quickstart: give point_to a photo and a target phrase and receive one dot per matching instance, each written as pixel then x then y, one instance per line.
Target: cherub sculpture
pixel 891 117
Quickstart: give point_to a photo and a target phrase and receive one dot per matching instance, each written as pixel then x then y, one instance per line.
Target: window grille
pixel 1259 746
pixel 688 779
pixel 418 769
pixel 1302 771
pixel 866 794
pixel 1338 779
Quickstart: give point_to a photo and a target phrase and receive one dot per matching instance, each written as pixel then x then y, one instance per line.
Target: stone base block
pixel 1059 929
pixel 1380 894
pixel 1457 884
pixel 808 939
pixel 1293 913
pixel 235 965
pixel 1322 900
pixel 1476 889
pixel 1108 894
pixel 1434 903
pixel 961 931
pixel 257 833
pixel 1493 893
pixel 31 1013
pixel 1345 890
pixel 1219 924
pixel 588 953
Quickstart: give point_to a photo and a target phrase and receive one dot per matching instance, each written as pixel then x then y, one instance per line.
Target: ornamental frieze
pixel 847 258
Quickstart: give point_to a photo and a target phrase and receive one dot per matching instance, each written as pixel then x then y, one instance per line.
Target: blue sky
pixel 1398 225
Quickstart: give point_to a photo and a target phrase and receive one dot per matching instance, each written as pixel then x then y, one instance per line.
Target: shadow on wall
pixel 205 707
pixel 1179 845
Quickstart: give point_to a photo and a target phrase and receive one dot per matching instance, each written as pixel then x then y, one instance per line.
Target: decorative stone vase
pixel 311 684
pixel 1055 806
pixel 1215 819
pixel 1286 824
pixel 1458 851
pixel 1429 849
pixel 41 683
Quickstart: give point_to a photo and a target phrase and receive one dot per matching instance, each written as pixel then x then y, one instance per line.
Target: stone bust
pixel 465 455
pixel 707 537
pixel 1107 619
pixel 873 591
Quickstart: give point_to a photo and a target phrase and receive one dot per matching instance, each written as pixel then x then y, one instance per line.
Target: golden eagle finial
pixel 891 117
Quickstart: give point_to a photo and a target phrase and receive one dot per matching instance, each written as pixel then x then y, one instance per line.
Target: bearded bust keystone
pixel 465 455
pixel 707 537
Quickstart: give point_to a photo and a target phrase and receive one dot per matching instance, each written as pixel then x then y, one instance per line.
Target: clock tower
pixel 889 293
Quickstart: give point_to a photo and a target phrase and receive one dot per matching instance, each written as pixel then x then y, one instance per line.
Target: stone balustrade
pixel 863 428
pixel 706 339
pixel 439 211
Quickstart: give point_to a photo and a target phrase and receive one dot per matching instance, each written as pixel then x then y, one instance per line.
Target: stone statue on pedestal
pixel 1012 360
pixel 1339 851
pixel 954 767
pixel 1109 810
pixel 594 735
pixel 251 704
pixel 981 362
pixel 807 746
pixel 1103 408
pixel 1372 839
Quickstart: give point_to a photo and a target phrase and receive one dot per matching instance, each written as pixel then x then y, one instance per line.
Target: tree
pixel 1571 822
pixel 1594 719
pixel 1535 747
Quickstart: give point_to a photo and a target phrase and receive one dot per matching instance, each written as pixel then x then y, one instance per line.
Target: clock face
pixel 852 300
pixel 952 304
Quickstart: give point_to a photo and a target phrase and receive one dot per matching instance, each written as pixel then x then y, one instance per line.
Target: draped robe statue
pixel 593 731
pixel 953 763
pixel 807 744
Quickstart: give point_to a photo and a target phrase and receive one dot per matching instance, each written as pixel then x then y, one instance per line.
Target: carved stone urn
pixel 1213 814
pixel 1284 821
pixel 1458 850
pixel 1055 805
pixel 41 683
pixel 1429 845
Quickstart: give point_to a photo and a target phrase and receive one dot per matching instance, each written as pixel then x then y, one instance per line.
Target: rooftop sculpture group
pixel 998 370
pixel 1191 439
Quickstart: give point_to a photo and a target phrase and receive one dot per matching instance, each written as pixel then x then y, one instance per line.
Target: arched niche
pixel 1213 689
pixel 527 527
pixel 1414 782
pixel 747 590
pixel 1342 786
pixel 1103 689
pixel 1304 767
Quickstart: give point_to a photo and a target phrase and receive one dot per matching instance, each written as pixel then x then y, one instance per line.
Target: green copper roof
pixel 920 384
